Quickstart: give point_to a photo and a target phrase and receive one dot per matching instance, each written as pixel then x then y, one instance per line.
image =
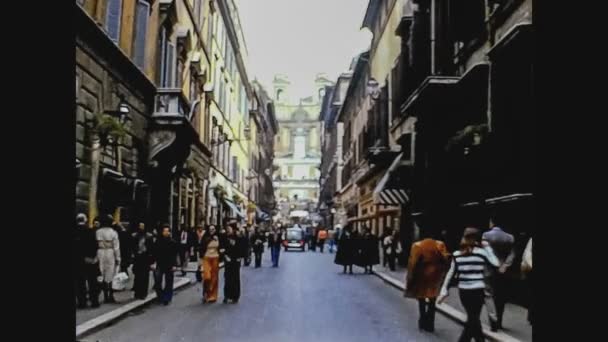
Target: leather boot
pixel 104 288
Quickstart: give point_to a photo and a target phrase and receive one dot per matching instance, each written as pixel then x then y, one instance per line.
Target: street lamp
pixel 121 112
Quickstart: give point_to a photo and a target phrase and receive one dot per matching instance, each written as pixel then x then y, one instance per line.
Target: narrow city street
pixel 306 299
pixel 401 130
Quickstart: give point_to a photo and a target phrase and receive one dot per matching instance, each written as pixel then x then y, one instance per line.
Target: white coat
pixel 108 252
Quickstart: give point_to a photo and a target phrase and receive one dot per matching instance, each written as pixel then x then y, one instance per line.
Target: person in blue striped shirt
pixel 467 268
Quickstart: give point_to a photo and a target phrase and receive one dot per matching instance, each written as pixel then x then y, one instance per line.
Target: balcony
pixel 170 103
pixel 171 131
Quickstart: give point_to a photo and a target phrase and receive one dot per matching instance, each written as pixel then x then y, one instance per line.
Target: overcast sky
pixel 301 38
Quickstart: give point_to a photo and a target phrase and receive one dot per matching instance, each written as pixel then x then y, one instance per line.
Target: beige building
pixel 297 146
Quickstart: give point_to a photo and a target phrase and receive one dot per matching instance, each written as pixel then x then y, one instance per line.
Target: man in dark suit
pixel 496 281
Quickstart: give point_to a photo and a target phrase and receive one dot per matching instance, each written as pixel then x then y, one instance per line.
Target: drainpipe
pixel 489 12
pixel 170 218
pixel 433 19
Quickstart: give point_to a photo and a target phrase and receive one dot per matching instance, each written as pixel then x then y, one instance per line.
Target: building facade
pixel 229 113
pixel 332 132
pixel 163 112
pixel 142 141
pixel 262 156
pixel 437 120
pixel 297 147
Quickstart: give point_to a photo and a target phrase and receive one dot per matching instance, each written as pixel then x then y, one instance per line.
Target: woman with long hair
pixel 210 252
pixel 467 269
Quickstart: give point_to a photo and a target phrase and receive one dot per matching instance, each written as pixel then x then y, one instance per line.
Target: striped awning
pixel 391 193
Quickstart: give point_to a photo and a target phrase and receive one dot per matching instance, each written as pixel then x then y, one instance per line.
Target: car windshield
pixel 294 234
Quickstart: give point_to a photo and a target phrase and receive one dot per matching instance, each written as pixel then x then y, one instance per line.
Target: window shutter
pixel 113 19
pixel 162 47
pixel 171 64
pixel 141 29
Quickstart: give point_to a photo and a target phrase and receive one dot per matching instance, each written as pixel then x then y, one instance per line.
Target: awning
pixel 520 36
pixel 508 198
pixel 261 215
pixel 390 191
pixel 431 89
pixel 117 189
pixel 234 208
pixel 298 213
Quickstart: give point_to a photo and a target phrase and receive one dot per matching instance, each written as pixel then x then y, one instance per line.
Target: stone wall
pixel 97 84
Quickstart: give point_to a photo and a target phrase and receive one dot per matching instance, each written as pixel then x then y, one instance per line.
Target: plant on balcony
pixel 237 199
pixel 107 126
pixel 251 207
pixel 466 136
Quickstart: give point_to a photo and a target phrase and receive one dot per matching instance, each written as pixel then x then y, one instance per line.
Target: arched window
pixel 279 92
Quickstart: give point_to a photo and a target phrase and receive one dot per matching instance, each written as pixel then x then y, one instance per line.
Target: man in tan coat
pixel 427 265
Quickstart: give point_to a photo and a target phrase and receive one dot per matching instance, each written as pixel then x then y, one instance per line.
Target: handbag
pixel 119 283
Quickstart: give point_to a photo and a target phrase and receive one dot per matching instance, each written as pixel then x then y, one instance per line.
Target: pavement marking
pixel 89 325
pixel 451 312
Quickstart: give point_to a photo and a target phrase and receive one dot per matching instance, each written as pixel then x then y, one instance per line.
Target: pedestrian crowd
pixel 478 268
pixel 357 249
pixel 106 249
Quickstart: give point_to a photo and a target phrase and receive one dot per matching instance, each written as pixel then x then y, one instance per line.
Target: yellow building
pixel 297 146
pixel 229 110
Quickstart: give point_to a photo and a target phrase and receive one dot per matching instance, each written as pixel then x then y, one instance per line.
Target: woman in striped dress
pixel 467 268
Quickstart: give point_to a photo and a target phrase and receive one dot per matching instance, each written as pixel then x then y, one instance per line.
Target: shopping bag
pixel 120 281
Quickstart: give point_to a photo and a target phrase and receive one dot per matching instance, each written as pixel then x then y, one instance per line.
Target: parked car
pixel 294 239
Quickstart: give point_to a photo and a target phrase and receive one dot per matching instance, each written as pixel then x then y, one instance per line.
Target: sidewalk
pixel 89 319
pixel 516 326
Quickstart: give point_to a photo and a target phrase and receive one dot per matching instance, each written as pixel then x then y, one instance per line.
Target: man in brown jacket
pixel 428 263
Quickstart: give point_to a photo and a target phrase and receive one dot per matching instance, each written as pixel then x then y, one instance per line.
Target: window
pixel 210 25
pixel 167 59
pixel 77 84
pixel 194 95
pixel 181 65
pixel 113 16
pixel 193 87
pixel 299 150
pixel 235 169
pixel 142 12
